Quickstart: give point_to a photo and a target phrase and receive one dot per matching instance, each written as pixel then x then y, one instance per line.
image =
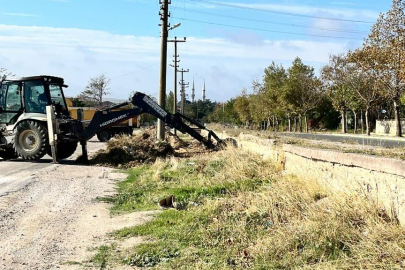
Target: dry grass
pixel 259 219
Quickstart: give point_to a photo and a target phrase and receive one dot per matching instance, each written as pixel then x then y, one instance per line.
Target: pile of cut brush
pixel 128 151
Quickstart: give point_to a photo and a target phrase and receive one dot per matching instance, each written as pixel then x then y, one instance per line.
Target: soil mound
pixel 141 148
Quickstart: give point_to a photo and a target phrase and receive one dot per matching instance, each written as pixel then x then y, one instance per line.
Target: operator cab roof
pixel 48 79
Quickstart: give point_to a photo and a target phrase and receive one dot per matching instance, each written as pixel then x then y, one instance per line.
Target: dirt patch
pixel 56 221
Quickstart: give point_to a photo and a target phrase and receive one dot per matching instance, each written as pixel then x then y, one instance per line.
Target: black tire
pixel 31 140
pixel 104 135
pixel 8 153
pixel 64 149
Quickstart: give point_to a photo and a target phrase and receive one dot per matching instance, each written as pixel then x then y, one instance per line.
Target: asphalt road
pixel 387 142
pixel 17 174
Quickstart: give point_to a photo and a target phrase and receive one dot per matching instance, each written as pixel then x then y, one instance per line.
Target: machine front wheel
pixel 31 140
pixel 64 149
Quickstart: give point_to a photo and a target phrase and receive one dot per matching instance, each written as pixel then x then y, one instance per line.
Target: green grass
pixel 242 213
pixel 103 256
pixel 191 181
pixel 152 254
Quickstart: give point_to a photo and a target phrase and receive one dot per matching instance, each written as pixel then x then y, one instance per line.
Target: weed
pixel 102 256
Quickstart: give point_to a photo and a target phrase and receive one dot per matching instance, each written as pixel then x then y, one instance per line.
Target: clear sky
pixel 229 42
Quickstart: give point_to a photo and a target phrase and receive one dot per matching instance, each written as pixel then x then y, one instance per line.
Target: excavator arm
pixel 144 104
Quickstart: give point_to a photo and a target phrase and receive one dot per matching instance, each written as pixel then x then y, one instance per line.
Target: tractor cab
pixel 30 95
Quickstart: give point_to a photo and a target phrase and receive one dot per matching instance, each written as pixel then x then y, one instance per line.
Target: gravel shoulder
pixel 55 221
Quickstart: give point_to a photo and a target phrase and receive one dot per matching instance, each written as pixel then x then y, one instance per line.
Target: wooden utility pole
pixel 183 89
pixel 164 15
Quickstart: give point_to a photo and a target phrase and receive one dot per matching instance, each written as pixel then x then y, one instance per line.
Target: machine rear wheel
pixel 65 149
pixel 31 140
pixel 104 135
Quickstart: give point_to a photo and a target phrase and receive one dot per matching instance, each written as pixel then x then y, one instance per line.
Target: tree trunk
pixel 300 122
pixel 397 119
pixel 268 123
pixel 355 122
pixel 362 123
pixel 344 125
pixel 306 124
pixel 367 122
pixel 277 124
pixel 289 124
pixel 295 124
pixel 274 123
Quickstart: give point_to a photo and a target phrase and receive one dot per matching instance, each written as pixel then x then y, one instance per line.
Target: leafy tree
pixel 225 113
pixel 170 102
pixel 230 115
pixel 275 77
pixel 302 90
pixel 366 86
pixel 200 110
pixel 257 105
pixel 96 89
pixel 383 54
pixel 78 103
pixel 339 90
pixel 241 107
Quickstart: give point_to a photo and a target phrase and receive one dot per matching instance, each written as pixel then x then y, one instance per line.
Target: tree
pixel 383 55
pixel 275 77
pixel 367 87
pixel 4 74
pixel 339 90
pixel 225 113
pixel 170 102
pixel 241 107
pixel 303 90
pixel 78 103
pixel 257 105
pixel 96 89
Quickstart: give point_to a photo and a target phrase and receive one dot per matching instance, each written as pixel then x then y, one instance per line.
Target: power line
pixel 280 12
pixel 278 23
pixel 266 30
pixel 134 71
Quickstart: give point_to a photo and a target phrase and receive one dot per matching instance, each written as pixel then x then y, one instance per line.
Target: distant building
pixel 203 92
pixel 193 93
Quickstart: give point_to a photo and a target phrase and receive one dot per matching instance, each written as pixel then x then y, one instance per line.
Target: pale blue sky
pixel 77 39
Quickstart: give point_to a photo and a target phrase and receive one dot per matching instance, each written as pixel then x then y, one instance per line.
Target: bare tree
pixel 4 74
pixel 96 89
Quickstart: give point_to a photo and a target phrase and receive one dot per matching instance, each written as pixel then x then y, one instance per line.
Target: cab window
pixel 13 98
pixel 35 97
pixel 3 91
pixel 10 101
pixel 56 95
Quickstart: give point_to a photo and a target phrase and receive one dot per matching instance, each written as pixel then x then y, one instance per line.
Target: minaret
pixel 193 93
pixel 203 92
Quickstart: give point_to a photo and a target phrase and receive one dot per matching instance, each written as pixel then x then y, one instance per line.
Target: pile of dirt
pixel 128 151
